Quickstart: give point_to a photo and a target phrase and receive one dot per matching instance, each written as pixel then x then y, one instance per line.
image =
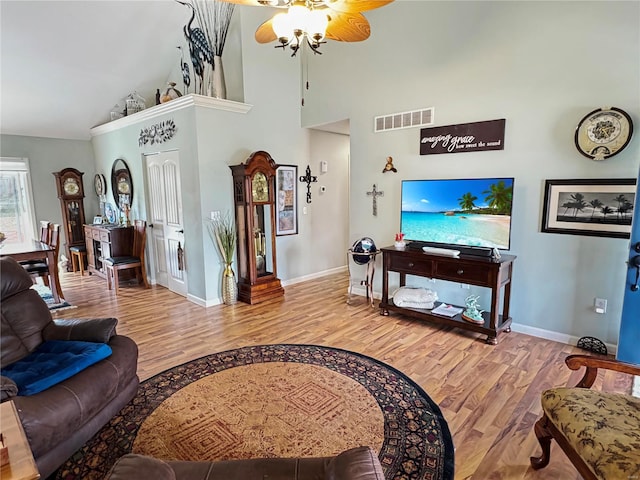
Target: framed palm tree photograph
pixel 594 207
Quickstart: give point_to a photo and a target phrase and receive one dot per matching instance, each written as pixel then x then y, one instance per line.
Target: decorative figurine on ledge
pixel 471 313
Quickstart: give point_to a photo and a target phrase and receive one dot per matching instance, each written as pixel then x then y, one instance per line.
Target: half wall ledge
pixel 186 101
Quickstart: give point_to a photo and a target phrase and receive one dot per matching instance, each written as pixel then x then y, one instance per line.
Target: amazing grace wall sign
pixel 464 137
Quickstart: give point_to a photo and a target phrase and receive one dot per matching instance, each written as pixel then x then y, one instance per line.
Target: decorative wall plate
pixel 100 184
pixel 603 132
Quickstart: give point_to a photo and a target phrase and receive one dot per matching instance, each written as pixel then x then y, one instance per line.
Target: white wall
pixel 541 66
pixel 327 218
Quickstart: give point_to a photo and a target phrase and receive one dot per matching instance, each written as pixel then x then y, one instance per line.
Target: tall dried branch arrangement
pixel 214 18
pixel 223 234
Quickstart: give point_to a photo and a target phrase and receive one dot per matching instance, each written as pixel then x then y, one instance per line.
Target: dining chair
pixel 41 269
pixel 45 232
pixel 114 265
pixel 44 238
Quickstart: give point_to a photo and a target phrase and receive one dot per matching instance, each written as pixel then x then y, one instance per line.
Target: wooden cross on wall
pixel 375 194
pixel 308 178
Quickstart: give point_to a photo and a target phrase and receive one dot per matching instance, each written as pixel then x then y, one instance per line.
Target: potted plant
pixel 223 234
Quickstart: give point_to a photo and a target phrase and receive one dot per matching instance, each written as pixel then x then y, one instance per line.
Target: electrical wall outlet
pixel 600 304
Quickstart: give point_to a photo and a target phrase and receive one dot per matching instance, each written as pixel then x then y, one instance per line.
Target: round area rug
pixel 276 401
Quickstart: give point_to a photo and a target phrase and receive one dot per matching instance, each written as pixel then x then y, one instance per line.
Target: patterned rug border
pixel 120 432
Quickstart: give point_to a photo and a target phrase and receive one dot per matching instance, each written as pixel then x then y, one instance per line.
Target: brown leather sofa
pixel 60 419
pixel 359 463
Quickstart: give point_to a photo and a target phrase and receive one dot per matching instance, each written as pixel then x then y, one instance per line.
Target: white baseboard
pixel 312 276
pixel 555 336
pixel 218 301
pixel 204 303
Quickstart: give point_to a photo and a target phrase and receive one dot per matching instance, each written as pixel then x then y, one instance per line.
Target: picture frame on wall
pixel 593 207
pixel 286 200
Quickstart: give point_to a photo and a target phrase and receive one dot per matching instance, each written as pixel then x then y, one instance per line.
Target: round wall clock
pixel 100 184
pixel 603 132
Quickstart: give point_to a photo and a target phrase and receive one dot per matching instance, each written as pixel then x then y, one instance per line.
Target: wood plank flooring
pixel 490 395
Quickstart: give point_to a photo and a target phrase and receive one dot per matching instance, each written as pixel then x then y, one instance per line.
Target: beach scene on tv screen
pixel 475 212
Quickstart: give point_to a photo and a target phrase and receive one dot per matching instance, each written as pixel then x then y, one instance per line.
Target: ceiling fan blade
pixel 265 33
pixel 354 6
pixel 347 27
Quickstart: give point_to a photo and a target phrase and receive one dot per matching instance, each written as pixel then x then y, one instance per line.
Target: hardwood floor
pixel 490 395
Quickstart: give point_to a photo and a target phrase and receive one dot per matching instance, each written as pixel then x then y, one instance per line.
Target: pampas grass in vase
pixel 222 231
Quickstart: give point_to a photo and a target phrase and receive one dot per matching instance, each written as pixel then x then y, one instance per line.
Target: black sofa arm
pixel 85 330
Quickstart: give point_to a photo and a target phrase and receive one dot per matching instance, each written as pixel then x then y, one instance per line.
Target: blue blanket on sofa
pixel 52 362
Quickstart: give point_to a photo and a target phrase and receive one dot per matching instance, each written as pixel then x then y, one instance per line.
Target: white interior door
pixel 165 212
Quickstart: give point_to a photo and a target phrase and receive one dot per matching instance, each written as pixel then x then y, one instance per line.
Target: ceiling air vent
pixel 396 121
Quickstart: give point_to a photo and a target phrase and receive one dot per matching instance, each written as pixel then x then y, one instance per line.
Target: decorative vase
pixel 229 286
pixel 219 86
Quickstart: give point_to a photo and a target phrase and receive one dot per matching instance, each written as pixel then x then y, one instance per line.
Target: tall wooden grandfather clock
pixel 71 195
pixel 255 216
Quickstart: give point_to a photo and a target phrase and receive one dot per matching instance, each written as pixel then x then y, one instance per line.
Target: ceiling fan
pixel 315 21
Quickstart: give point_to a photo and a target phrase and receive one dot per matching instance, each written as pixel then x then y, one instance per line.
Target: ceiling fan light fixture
pixel 300 21
pixel 317 22
pixel 298 14
pixel 282 27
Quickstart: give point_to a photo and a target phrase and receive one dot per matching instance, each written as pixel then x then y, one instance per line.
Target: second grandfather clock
pixel 255 216
pixel 71 195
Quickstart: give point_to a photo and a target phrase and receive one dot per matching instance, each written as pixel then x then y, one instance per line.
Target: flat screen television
pixel 473 213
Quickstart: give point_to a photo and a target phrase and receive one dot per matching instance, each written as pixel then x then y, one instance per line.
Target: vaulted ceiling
pixel 65 64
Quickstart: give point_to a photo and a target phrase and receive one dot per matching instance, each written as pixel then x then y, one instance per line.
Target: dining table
pixel 36 250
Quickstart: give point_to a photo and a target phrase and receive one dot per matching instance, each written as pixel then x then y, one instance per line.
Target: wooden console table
pixel 105 241
pixel 471 270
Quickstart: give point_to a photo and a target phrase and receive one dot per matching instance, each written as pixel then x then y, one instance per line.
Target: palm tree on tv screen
pixel 499 197
pixel 466 201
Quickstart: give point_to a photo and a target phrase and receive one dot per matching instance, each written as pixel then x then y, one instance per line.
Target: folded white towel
pixel 414 297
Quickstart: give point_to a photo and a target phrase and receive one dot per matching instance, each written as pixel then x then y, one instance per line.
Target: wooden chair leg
pixel 116 281
pixel 73 262
pixel 81 262
pixel 108 272
pixel 544 438
pixel 143 272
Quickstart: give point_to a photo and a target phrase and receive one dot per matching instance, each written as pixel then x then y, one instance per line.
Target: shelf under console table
pixel 467 269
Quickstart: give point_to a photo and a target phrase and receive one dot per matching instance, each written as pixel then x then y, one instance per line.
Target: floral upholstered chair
pixel 598 431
